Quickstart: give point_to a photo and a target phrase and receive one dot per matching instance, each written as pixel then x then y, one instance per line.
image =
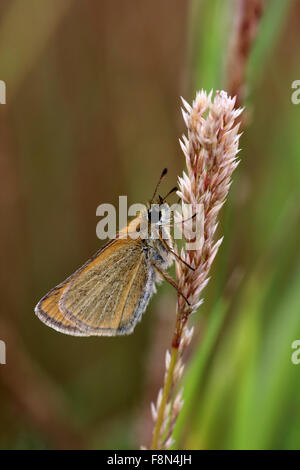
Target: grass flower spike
pixel 210 149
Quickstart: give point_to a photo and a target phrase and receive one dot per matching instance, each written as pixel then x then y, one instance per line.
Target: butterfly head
pixel 158 213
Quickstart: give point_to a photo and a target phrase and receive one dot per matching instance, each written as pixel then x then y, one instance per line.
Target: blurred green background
pixel 93 112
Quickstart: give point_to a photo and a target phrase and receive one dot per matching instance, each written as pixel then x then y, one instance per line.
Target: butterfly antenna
pixel 170 192
pixel 163 174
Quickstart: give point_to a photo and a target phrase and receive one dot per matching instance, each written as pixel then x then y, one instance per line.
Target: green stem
pixel 166 392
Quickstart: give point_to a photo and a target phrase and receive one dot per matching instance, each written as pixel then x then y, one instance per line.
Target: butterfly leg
pixel 171 281
pixel 175 254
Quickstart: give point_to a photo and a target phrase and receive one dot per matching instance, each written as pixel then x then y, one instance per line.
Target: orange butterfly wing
pixel 106 296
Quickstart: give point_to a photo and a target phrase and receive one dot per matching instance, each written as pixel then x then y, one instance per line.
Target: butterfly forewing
pixel 108 295
pixel 140 290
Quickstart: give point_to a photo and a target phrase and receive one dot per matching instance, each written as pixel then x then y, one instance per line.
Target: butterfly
pixel 109 293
